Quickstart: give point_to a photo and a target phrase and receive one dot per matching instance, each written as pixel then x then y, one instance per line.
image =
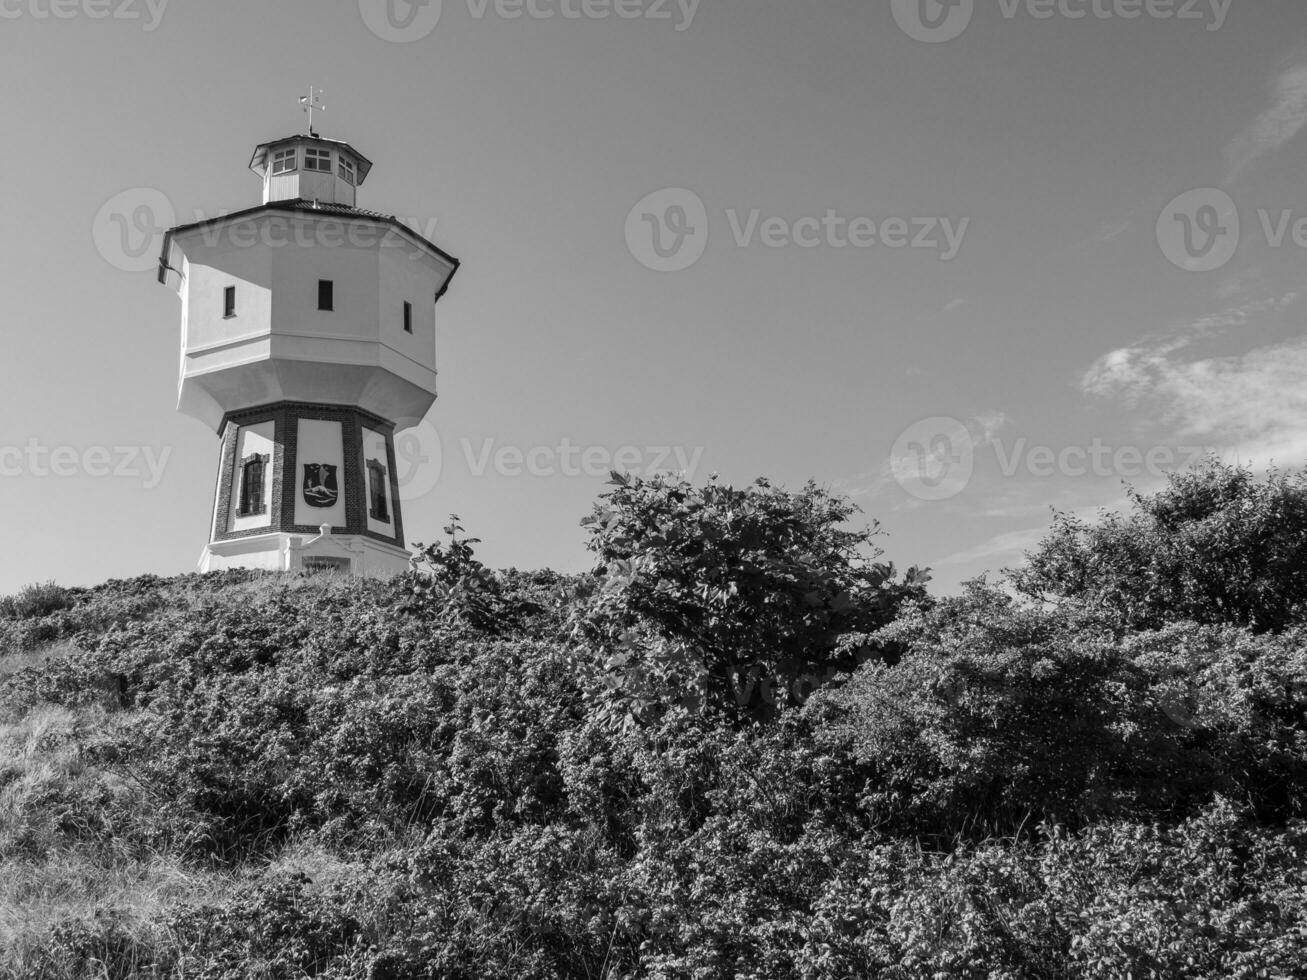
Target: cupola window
pixel 345 168
pixel 319 160
pixel 283 161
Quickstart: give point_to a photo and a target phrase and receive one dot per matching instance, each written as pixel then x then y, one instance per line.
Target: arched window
pixel 377 507
pixel 253 469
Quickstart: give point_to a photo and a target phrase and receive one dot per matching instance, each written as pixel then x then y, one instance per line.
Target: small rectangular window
pixel 252 481
pixel 229 302
pixel 326 294
pixel 283 161
pixel 345 168
pixel 317 160
pixel 408 317
pixel 377 507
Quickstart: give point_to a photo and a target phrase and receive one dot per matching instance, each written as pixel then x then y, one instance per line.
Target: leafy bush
pixel 254 775
pixel 999 717
pixel 730 599
pixel 36 601
pixel 1215 547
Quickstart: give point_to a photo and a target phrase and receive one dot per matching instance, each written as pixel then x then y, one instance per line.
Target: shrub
pixel 1215 547
pixel 729 599
pixel 36 601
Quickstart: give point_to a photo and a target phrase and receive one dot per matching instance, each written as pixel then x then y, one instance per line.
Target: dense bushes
pixel 981 787
pixel 730 599
pixel 1216 546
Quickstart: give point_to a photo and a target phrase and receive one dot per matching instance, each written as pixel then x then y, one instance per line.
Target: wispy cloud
pixel 1002 548
pixel 1253 404
pixel 1008 549
pixel 1276 125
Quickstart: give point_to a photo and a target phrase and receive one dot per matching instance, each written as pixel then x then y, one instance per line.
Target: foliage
pixel 1000 717
pixel 732 599
pixel 36 601
pixel 245 775
pixel 1216 546
pixel 456 587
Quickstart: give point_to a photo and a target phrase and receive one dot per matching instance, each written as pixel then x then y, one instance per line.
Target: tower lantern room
pixel 308 340
pixel 310 168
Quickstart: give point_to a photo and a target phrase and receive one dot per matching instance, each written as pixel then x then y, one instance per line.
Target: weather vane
pixel 310 102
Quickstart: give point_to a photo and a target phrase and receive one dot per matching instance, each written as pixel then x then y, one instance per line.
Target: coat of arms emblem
pixel 320 488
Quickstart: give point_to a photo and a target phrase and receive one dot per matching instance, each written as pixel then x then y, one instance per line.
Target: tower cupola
pixel 310 168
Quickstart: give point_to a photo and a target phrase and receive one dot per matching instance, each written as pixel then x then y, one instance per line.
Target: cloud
pixel 989 425
pixel 1277 125
pixel 1009 547
pixel 1252 406
pixel 979 430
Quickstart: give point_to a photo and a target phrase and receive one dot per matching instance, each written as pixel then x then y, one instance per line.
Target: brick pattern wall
pixel 281 478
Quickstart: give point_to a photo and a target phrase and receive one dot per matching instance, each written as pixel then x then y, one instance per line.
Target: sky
pixel 966 263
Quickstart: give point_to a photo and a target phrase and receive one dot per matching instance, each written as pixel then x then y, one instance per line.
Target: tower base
pixel 351 554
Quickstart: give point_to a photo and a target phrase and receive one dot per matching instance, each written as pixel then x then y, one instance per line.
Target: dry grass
pixel 71 887
pixel 62 861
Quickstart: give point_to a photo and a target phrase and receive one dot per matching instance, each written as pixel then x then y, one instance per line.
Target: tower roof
pixel 304 207
pixel 259 162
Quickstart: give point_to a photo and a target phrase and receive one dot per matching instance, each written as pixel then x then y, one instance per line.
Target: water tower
pixel 308 341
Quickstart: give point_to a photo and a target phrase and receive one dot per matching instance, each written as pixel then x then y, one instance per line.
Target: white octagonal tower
pixel 308 342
